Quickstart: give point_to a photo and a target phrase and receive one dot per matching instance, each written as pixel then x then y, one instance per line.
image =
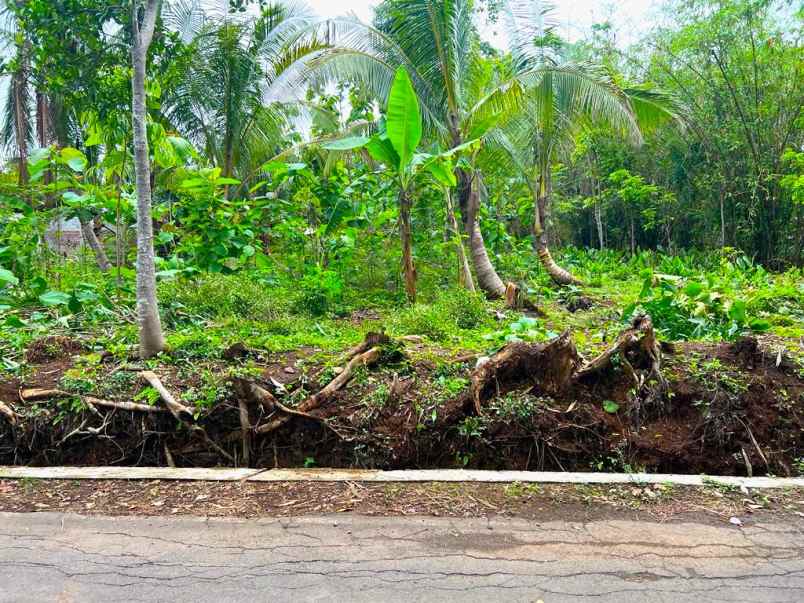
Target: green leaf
pixel 403 120
pixel 442 170
pixel 54 298
pixel 381 149
pixel 693 289
pixel 737 311
pixel 611 407
pixel 74 158
pixel 346 144
pixel 759 324
pixel 7 277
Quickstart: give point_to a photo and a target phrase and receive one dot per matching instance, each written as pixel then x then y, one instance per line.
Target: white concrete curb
pixel 366 475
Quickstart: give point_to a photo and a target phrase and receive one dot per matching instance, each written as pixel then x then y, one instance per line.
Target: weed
pixel 519 489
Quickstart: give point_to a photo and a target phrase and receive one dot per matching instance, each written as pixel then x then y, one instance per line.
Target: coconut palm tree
pixel 560 102
pixel 438 45
pixel 230 100
pixel 462 99
pixel 17 132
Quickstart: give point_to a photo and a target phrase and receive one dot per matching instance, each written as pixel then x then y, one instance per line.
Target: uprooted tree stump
pixel 553 368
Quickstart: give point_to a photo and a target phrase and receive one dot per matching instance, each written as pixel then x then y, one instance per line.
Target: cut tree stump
pixel 516 299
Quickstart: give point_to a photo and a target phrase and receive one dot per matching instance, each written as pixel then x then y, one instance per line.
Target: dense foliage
pixel 303 170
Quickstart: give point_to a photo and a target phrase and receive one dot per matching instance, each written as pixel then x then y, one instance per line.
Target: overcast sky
pixel 630 17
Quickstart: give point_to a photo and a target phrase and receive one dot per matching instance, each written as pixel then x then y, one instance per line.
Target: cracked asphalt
pixel 64 557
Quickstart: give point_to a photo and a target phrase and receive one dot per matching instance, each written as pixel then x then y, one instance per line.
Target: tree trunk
pixel 91 239
pixel 633 236
pixel 406 235
pixel 150 327
pixel 487 278
pixel 42 121
pixel 22 126
pixel 599 224
pixel 540 236
pixel 722 222
pixel 464 272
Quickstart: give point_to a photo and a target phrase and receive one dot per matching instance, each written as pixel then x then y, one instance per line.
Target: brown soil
pixel 282 499
pixel 728 409
pixel 51 348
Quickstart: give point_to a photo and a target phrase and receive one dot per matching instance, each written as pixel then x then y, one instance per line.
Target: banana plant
pixel 395 147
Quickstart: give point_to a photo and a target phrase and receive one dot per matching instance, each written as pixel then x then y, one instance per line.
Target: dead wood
pixel 554 367
pixel 9 414
pixel 47 394
pixel 637 346
pixel 270 403
pixel 178 410
pixel 245 430
pixel 372 339
pixel 516 299
pixel 547 367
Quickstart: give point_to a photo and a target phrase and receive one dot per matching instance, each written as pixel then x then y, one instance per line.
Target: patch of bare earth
pixel 283 499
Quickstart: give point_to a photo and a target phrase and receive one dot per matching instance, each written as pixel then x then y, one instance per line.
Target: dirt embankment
pixel 639 405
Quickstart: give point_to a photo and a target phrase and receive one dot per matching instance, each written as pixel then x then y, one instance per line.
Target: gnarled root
pixel 9 414
pixel 548 367
pixel 364 354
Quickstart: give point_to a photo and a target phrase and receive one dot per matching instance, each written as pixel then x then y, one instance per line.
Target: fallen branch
pixel 47 394
pixel 178 410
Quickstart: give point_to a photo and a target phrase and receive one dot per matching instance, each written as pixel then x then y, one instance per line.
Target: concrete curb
pixel 365 475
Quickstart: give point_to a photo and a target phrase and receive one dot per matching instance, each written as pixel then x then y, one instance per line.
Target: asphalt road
pixel 56 557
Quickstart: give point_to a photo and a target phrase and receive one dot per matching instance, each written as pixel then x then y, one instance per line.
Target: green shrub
pixel 215 296
pixel 320 292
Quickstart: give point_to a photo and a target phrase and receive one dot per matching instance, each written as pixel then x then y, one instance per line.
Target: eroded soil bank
pixel 725 408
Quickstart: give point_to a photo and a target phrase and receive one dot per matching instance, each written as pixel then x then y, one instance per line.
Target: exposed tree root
pixel 178 410
pixel 547 367
pixel 9 414
pixel 49 394
pixel 366 353
pixel 183 414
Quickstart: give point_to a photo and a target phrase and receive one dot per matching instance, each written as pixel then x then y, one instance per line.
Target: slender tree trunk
pixel 487 278
pixel 599 224
pixel 464 272
pixel 22 125
pixel 722 222
pixel 91 239
pixel 406 235
pixel 541 241
pixel 633 236
pixel 150 327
